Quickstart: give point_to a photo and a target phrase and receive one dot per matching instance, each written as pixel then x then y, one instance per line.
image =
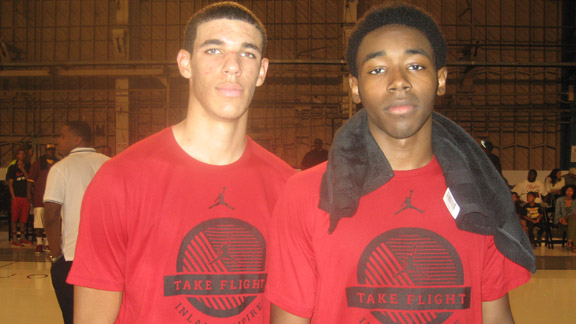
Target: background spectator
pixel 554 183
pixel 36 187
pixel 530 185
pixel 315 156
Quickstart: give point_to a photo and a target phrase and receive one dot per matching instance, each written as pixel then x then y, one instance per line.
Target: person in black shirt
pixel 316 155
pixel 17 176
pixel 532 213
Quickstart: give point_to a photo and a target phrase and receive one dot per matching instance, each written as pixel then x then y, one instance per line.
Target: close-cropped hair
pixel 221 10
pixel 394 13
pixel 82 129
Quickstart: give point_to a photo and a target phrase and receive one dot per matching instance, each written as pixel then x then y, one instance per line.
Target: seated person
pixel 565 207
pixel 531 184
pixel 554 183
pixel 532 213
pixel 519 210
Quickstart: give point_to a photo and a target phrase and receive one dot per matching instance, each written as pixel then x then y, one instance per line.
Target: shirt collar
pixel 82 150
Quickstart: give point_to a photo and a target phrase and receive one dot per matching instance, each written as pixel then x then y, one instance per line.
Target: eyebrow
pixel 411 51
pixel 220 43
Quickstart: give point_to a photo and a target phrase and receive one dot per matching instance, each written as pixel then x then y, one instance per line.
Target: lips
pixel 399 107
pixel 230 89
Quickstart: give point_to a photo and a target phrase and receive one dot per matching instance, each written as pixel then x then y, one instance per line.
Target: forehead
pixel 228 30
pixel 397 37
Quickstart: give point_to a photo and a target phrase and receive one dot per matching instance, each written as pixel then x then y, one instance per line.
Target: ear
pixel 354 91
pixel 78 140
pixel 184 63
pixel 442 75
pixel 263 70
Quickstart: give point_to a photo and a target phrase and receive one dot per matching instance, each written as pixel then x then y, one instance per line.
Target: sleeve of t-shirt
pixel 99 261
pixel 292 275
pixel 10 173
pixel 55 191
pixel 500 274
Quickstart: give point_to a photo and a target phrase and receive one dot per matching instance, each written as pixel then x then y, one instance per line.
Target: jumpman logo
pixel 410 264
pixel 224 252
pixel 220 200
pixel 408 204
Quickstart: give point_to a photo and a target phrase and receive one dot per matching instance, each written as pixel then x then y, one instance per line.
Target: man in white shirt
pixel 67 181
pixel 531 185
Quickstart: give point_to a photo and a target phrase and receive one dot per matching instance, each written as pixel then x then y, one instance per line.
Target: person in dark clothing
pixel 36 187
pixel 17 176
pixel 316 156
pixel 532 213
pixel 518 205
pixel 487 146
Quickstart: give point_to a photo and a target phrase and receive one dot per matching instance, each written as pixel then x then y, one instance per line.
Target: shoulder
pixel 308 182
pixel 521 183
pixel 143 155
pixel 268 160
pixel 154 143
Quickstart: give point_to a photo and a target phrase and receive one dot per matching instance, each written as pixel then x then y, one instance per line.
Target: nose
pixel 399 81
pixel 232 64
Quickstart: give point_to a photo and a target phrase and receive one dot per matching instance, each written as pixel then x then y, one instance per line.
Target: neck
pixel 216 143
pixel 409 153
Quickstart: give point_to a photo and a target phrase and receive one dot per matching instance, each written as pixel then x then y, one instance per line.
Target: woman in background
pixel 554 183
pixel 564 214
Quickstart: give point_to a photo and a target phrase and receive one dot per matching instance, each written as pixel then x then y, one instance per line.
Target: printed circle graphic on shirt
pixel 221 266
pixel 410 275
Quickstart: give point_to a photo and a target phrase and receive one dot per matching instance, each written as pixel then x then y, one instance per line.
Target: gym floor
pixel 28 297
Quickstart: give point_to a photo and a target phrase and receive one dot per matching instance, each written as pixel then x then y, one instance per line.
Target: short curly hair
pixel 221 10
pixel 394 13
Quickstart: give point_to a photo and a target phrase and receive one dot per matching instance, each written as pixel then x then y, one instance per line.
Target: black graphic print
pixel 409 264
pixel 407 204
pixel 220 267
pixel 410 275
pixel 220 200
pixel 225 252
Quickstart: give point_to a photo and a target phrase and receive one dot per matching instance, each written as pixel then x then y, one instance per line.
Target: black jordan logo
pixel 409 265
pixel 220 200
pixel 224 252
pixel 407 204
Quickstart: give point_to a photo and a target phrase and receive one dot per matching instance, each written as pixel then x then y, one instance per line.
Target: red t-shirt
pixel 185 241
pixel 399 259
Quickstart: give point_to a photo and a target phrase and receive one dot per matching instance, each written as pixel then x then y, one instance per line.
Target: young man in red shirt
pixel 408 222
pixel 174 229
